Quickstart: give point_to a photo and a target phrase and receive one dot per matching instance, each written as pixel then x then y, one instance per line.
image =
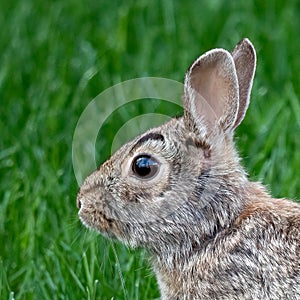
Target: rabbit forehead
pixel 168 132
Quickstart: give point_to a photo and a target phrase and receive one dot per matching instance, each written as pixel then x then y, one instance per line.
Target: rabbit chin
pixel 97 222
pixel 106 232
pixel 109 228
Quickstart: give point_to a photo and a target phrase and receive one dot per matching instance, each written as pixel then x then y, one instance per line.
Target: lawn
pixel 55 57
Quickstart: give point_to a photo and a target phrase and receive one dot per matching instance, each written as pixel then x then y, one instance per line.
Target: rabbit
pixel 180 192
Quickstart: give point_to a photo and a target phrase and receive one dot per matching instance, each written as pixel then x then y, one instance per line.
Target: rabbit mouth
pixel 96 220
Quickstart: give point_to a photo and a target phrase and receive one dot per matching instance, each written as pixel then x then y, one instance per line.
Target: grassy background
pixel 55 56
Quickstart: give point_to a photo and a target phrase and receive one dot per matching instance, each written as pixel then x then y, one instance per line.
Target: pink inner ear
pixel 215 89
pixel 211 90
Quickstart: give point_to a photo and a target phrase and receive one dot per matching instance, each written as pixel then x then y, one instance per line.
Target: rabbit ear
pixel 211 93
pixel 244 57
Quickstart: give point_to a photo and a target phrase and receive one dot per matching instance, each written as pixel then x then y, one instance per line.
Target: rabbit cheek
pixel 138 195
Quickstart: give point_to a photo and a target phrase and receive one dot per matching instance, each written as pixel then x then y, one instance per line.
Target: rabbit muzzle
pixel 93 211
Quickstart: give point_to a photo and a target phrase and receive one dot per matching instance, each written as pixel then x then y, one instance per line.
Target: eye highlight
pixel 145 167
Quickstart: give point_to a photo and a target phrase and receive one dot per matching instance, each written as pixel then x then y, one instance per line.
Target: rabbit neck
pixel 175 264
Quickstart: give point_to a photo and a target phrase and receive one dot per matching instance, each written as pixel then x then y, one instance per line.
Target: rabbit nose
pixel 78 202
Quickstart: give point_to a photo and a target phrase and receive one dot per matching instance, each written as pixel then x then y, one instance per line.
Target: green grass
pixel 55 56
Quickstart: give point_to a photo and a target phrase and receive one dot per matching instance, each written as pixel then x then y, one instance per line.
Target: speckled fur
pixel 210 232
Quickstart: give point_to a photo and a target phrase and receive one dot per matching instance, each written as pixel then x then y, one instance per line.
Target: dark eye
pixel 145 166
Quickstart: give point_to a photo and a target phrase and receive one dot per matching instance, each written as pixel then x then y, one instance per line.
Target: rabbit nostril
pixel 78 203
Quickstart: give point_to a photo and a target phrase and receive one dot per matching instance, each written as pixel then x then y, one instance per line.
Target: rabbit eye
pixel 145 166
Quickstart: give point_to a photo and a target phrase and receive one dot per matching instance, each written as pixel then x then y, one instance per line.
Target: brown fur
pixel 284 208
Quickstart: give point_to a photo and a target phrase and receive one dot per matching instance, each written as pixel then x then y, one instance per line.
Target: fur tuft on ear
pixel 244 57
pixel 211 93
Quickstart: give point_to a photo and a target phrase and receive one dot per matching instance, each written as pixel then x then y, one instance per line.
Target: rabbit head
pixel 182 181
